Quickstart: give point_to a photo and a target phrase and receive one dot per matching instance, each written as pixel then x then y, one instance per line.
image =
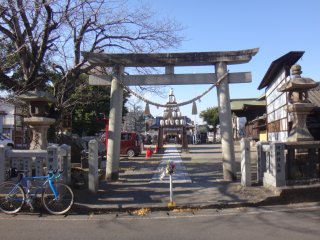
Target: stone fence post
pixel 93 166
pixel 64 162
pixel 263 154
pixel 245 162
pixel 275 166
pixel 52 160
pixel 2 163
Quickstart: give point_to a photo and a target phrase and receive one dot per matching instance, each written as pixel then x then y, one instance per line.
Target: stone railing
pixel 270 163
pixel 288 163
pixel 37 162
pixel 303 161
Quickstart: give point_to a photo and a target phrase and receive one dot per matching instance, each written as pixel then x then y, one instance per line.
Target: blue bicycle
pixel 57 198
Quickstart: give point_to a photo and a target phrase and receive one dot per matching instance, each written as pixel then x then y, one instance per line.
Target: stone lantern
pixel 39 122
pixel 297 88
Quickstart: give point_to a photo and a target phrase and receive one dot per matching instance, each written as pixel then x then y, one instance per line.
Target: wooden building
pixel 253 109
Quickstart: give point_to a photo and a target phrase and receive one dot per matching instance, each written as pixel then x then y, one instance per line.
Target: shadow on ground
pixel 134 190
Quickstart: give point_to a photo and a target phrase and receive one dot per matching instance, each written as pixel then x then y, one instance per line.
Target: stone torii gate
pixel 219 60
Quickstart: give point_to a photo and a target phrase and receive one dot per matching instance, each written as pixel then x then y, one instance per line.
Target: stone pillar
pixel 275 167
pixel 52 160
pixel 228 156
pixel 2 163
pixel 245 162
pixel 65 162
pixel 93 177
pixel 27 165
pixel 39 164
pixel 262 153
pixel 115 119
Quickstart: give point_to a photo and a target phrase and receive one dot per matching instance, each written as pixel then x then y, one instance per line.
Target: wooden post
pixel 184 140
pixel 228 156
pixel 115 119
pixel 160 140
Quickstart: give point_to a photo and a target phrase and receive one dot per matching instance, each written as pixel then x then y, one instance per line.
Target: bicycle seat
pixel 12 172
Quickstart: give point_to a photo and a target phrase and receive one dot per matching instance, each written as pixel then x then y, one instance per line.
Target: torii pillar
pixel 227 144
pixel 115 116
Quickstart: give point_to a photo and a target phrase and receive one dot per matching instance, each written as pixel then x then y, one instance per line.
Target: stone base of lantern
pixel 299 131
pixel 39 127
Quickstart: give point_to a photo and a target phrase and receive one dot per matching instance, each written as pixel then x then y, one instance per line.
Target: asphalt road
pixel 277 222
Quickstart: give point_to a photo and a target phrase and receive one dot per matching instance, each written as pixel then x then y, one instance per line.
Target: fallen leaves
pixel 141 211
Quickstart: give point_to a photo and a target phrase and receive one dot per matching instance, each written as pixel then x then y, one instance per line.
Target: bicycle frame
pixel 56 197
pixel 49 179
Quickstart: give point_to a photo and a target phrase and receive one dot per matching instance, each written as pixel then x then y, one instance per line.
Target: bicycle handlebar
pixel 54 174
pixel 14 172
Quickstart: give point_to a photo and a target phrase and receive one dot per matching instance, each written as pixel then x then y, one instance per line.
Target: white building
pixel 11 123
pixel 7 111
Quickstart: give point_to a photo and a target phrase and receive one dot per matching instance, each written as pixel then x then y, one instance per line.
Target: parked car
pixel 130 144
pixel 6 141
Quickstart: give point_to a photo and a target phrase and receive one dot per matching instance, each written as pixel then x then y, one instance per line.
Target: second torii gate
pixel 169 60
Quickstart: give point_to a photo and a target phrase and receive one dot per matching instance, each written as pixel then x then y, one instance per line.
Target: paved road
pixel 277 222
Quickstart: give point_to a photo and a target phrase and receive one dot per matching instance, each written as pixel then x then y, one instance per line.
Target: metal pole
pixel 171 192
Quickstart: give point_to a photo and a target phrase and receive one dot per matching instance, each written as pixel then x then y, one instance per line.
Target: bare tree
pixel 44 40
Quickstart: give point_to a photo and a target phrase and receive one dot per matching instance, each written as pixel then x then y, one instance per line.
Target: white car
pixel 6 141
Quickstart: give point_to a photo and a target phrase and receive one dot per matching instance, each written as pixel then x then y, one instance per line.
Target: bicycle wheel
pixel 12 197
pixel 62 203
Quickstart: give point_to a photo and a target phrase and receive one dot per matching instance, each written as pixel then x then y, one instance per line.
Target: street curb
pixel 287 196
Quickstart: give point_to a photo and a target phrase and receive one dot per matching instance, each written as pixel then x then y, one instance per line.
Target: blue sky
pixel 274 26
